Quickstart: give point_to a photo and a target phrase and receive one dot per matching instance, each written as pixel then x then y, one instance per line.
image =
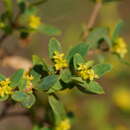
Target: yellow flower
pixel 86 72
pixel 5 89
pixel 34 22
pixel 63 125
pixel 29 79
pixel 60 62
pixel 120 47
pixel 121 98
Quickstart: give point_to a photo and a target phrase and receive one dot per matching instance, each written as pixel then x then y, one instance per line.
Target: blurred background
pixel 110 111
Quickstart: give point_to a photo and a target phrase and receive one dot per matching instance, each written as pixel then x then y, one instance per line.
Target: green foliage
pixel 29 101
pixel 16 78
pixel 19 96
pixel 81 48
pixel 54 46
pixel 117 30
pixel 39 61
pixel 53 80
pixel 48 82
pixel 101 69
pixel 21 20
pixel 44 78
pixel 91 87
pixel 9 7
pixel 58 109
pixel 65 75
pixel 96 35
pixel 78 59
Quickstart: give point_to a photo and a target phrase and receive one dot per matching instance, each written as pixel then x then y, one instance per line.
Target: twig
pixel 6 107
pixel 92 18
pixel 2 38
pixel 4 114
pixel 12 114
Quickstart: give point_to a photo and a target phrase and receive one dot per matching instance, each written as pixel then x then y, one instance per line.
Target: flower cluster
pixel 34 22
pixel 28 79
pixel 120 47
pixel 60 62
pixel 5 89
pixel 64 125
pixel 86 73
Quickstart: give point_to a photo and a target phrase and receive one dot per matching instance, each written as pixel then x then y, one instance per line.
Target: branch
pixel 6 107
pixel 92 18
pixel 12 114
pixel 4 114
pixel 2 38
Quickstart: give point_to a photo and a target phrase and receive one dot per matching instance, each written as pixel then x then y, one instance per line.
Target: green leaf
pixel 22 5
pixel 16 77
pixel 39 61
pixel 36 77
pixel 77 80
pixel 57 108
pixel 22 84
pixel 19 96
pixel 49 30
pixel 81 48
pixel 91 87
pixel 48 82
pixel 101 69
pixel 29 101
pixel 56 87
pixel 65 75
pixel 77 59
pixel 108 41
pixel 9 6
pixel 54 45
pixel 117 30
pixel 97 34
pixel 2 77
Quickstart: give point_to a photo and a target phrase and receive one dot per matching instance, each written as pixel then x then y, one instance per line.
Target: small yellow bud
pixel 86 73
pixel 63 125
pixel 120 47
pixel 60 62
pixel 34 22
pixel 29 79
pixel 5 89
